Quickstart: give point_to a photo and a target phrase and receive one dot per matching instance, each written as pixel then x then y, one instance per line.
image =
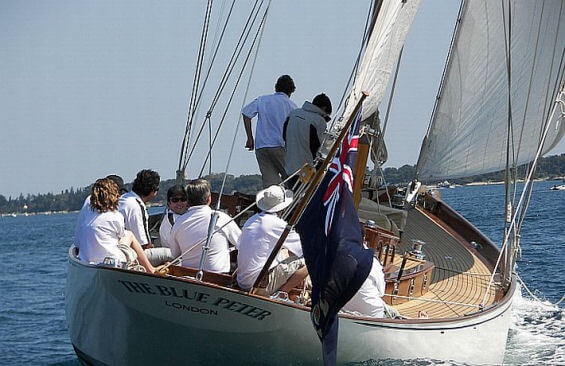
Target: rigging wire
pixel 508 209
pixel 227 73
pixel 551 111
pixel 258 36
pixel 353 73
pixel 196 81
pixel 528 181
pixel 389 104
pixel 208 72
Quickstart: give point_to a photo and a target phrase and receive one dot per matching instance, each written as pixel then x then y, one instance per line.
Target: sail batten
pixel 469 129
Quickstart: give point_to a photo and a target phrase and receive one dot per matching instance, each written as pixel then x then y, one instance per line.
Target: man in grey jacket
pixel 303 132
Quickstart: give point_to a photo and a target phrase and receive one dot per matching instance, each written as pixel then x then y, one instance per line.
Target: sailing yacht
pixel 500 105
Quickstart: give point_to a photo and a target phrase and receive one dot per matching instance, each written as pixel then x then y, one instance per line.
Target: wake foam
pixel 537 333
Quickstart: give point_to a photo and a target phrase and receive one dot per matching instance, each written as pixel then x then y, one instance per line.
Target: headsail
pixel 388 32
pixel 468 132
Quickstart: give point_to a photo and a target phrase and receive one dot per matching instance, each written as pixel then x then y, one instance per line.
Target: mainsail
pixel 505 71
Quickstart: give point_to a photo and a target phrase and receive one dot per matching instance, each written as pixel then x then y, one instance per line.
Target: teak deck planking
pixel 459 276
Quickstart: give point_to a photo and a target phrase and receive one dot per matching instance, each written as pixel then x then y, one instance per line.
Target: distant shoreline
pixel 161 204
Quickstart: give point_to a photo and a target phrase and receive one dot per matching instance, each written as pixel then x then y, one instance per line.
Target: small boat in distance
pixel 556 187
pixel 445 184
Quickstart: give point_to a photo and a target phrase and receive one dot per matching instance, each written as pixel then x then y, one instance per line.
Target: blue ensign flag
pixel 332 243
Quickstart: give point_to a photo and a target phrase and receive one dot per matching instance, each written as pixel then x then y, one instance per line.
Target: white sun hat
pixel 274 198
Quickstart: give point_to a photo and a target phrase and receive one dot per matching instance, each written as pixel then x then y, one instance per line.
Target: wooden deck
pixel 459 275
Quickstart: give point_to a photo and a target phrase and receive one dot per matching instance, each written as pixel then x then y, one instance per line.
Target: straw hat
pixel 274 198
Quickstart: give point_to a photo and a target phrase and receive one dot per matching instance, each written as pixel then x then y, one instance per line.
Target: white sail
pixel 393 21
pixel 469 127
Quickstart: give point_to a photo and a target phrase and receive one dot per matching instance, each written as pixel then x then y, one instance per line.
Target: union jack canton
pixel 343 173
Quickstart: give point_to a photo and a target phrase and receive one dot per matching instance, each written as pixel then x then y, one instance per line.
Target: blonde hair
pixel 104 195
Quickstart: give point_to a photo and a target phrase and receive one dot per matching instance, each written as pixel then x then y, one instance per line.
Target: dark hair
pixel 176 190
pixel 119 182
pixel 323 102
pixel 285 84
pixel 197 191
pixel 146 182
pixel 104 195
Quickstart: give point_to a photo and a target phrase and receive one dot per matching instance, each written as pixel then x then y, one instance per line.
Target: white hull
pixel 121 317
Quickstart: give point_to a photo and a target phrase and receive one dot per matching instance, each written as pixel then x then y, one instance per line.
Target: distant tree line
pixel 549 167
pixel 73 198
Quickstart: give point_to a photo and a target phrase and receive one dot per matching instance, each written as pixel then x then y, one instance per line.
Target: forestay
pixel 393 20
pixel 468 132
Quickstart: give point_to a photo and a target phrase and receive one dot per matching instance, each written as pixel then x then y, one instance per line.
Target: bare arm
pixel 250 144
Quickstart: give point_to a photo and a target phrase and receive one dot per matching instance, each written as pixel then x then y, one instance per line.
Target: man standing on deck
pixel 303 133
pixel 272 110
pixel 132 207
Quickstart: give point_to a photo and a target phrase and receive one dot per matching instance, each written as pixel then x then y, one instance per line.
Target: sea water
pixel 33 249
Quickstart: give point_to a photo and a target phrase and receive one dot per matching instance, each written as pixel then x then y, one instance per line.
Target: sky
pixel 91 88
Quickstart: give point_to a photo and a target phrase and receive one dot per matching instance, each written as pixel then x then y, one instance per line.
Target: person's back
pixel 100 229
pixel 304 132
pixel 98 235
pixel 272 111
pixel 258 238
pixel 132 205
pixel 190 231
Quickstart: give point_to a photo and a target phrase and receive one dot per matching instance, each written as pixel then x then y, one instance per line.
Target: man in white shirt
pixel 272 110
pixel 176 206
pixel 189 233
pixel 132 207
pixel 258 238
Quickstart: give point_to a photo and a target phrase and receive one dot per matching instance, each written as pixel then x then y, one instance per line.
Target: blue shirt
pixel 272 111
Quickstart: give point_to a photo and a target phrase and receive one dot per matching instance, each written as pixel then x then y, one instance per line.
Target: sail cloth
pixel 468 130
pixel 385 42
pixel 332 244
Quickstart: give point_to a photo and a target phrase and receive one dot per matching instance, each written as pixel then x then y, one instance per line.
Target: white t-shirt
pixel 272 110
pixel 97 235
pixel 192 227
pixel 135 216
pixel 258 238
pixel 166 227
pixel 368 300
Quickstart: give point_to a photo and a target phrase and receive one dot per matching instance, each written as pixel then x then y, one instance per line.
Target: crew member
pixel 272 111
pixel 176 206
pixel 258 238
pixel 100 230
pixel 190 231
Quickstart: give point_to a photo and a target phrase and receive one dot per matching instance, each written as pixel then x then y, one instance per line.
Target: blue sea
pixel 33 328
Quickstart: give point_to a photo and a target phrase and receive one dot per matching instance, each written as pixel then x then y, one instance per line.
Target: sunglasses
pixel 178 199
